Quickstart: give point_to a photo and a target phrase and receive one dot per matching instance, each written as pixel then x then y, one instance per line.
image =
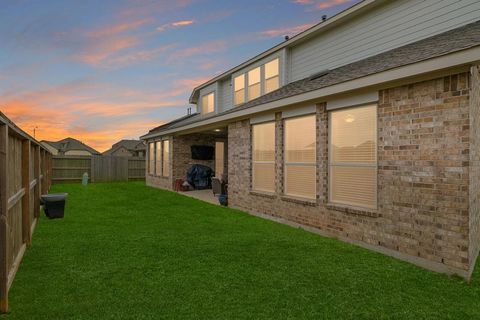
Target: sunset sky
pixel 101 71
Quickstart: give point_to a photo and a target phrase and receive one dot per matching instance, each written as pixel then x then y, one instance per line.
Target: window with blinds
pixel 254 87
pixel 151 158
pixel 272 79
pixel 239 89
pixel 208 103
pixel 158 158
pixel 263 157
pixel 219 158
pixel 353 156
pixel 300 157
pixel 166 158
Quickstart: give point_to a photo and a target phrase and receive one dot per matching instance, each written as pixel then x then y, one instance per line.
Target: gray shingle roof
pixel 451 41
pixel 130 145
pixel 69 144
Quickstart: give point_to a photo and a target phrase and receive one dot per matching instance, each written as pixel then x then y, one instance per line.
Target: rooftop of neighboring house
pixel 130 145
pixel 70 144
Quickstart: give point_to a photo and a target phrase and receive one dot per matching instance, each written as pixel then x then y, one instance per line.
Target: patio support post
pixel 3 219
pixel 38 188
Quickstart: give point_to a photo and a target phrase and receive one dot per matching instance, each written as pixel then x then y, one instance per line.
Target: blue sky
pixel 105 70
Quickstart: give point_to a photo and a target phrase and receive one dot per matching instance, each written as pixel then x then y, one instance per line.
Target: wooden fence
pixel 25 174
pixel 99 168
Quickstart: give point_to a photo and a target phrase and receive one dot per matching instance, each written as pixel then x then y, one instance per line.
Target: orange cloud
pixel 118 28
pixel 203 49
pixel 98 51
pixel 290 31
pixel 138 56
pixel 97 113
pixel 176 24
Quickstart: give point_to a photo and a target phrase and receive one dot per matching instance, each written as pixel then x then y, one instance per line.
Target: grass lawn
pixel 126 251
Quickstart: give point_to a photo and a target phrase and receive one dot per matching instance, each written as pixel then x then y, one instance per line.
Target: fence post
pixel 3 219
pixel 38 188
pixel 26 198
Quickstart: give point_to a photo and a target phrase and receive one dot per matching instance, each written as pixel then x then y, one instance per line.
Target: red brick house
pixel 365 127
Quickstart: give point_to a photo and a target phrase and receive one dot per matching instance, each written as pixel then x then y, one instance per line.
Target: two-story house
pixel 365 127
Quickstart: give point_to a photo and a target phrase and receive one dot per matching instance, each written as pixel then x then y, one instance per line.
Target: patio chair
pixel 218 187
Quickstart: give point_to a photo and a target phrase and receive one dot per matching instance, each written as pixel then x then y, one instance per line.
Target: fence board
pixel 19 198
pixel 99 168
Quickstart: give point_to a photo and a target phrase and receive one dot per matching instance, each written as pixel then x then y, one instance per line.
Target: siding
pixel 225 95
pixel 391 25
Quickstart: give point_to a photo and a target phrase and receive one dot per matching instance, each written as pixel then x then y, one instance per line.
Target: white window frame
pixel 163 158
pixel 264 162
pixel 350 164
pixel 299 164
pixel 214 103
pixel 151 155
pixel 235 103
pixel 265 75
pixel 160 161
pixel 263 80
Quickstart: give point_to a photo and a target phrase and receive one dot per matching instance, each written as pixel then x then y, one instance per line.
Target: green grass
pixel 126 251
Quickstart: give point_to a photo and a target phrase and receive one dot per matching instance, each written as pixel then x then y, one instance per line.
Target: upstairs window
pixel 353 156
pixel 263 157
pixel 239 88
pixel 208 103
pixel 158 158
pixel 166 158
pixel 272 78
pixel 254 87
pixel 300 157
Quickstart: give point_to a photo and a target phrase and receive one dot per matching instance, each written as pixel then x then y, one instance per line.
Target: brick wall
pixel 183 154
pixel 159 181
pixel 474 165
pixel 423 177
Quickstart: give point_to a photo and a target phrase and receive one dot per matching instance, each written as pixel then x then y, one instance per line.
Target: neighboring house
pixel 69 147
pixel 365 128
pixel 127 148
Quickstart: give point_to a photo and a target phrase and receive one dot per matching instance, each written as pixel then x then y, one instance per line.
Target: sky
pixel 101 71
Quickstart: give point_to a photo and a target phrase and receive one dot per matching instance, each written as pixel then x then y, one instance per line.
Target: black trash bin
pixel 54 205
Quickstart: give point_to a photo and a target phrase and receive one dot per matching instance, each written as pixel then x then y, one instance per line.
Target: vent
pixel 319 74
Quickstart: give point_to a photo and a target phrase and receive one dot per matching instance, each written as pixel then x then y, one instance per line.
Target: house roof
pixel 445 43
pixel 130 145
pixel 69 144
pixel 345 15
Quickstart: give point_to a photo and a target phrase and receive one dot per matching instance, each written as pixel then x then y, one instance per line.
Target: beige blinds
pixel 151 158
pixel 300 157
pixel 158 158
pixel 353 156
pixel 263 164
pixel 254 84
pixel 166 158
pixel 239 87
pixel 219 158
pixel 272 79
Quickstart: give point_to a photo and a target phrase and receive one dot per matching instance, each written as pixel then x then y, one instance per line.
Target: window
pixel 151 158
pixel 254 84
pixel 300 159
pixel 166 158
pixel 158 158
pixel 208 103
pixel 353 156
pixel 263 157
pixel 239 88
pixel 219 158
pixel 272 79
